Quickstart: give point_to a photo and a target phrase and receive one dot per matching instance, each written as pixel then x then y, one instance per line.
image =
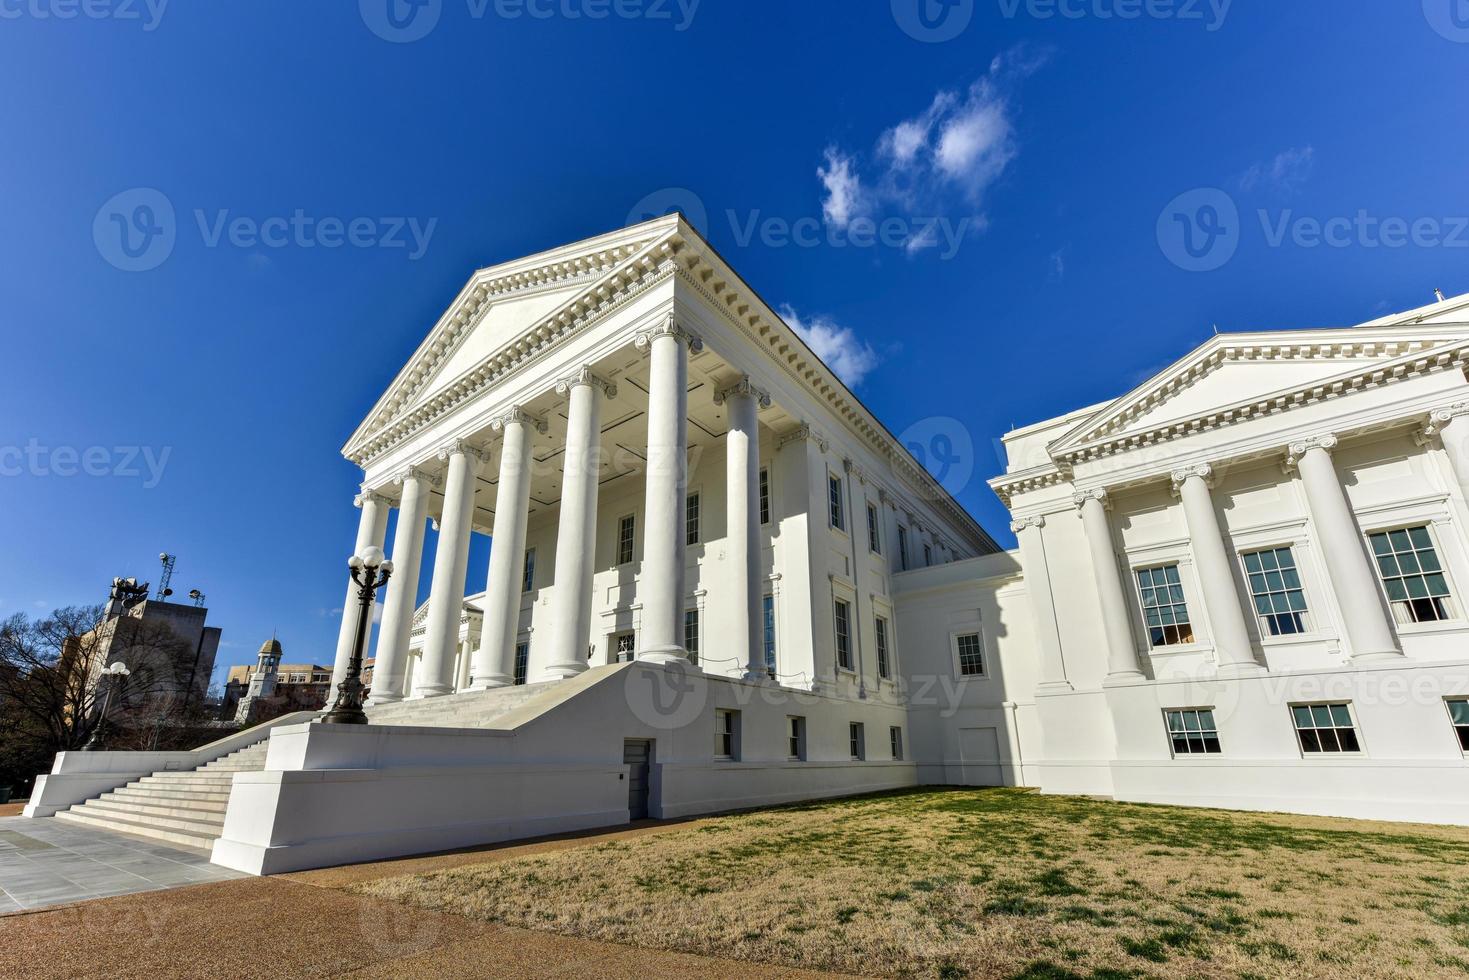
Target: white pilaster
pixel 451 560
pixel 1232 645
pixel 372 529
pixel 662 582
pixel 1028 530
pixel 494 662
pixel 576 540
pixel 742 509
pixel 1370 633
pixel 1452 428
pixel 1121 649
pixel 397 625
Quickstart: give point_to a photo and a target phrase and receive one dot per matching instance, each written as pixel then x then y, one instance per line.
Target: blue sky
pixel 1054 192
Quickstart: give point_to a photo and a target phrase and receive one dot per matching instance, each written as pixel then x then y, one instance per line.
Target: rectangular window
pixel 528 573
pixel 622 647
pixel 857 740
pixel 691 518
pixel 927 556
pixel 767 617
pixel 1325 727
pixel 795 737
pixel 1193 731
pixel 874 539
pixel 842 613
pixel 1459 718
pixel 1164 610
pixel 902 548
pixel 691 634
pixel 882 647
pixel 1417 588
pixel 522 661
pixel 895 740
pixel 971 655
pixel 626 527
pixel 1275 586
pixel 764 496
pixel 834 502
pixel 726 734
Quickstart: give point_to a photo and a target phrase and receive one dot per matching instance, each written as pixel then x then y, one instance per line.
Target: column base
pixel 492 682
pixel 562 672
pixel 663 655
pixel 761 674
pixel 423 693
pixel 1384 656
pixel 386 699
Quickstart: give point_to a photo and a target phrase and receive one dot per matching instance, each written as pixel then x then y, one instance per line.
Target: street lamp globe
pixel 372 556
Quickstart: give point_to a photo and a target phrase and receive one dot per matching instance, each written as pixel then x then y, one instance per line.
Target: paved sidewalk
pixel 47 862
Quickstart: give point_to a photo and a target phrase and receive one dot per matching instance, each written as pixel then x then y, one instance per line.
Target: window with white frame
pixel 902 548
pixel 895 741
pixel 691 518
pixel 837 512
pixel 522 661
pixel 874 537
pixel 1164 610
pixel 857 740
pixel 970 649
pixel 1275 588
pixel 626 532
pixel 726 734
pixel 881 631
pixel 1325 727
pixel 691 634
pixel 767 623
pixel 1193 731
pixel 623 645
pixel 1459 718
pixel 528 571
pixel 1417 589
pixel 795 737
pixel 764 495
pixel 842 613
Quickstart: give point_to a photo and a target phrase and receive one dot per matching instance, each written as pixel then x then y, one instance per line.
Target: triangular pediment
pixel 1231 375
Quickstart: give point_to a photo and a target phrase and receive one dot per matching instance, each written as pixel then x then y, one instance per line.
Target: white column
pixel 576 533
pixel 742 527
pixel 451 560
pixel 392 642
pixel 494 662
pixel 1232 646
pixel 1042 602
pixel 372 528
pixel 1121 648
pixel 661 584
pixel 1452 428
pixel 1370 632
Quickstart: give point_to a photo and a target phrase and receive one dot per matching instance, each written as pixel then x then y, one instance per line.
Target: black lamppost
pixel 370 572
pixel 112 676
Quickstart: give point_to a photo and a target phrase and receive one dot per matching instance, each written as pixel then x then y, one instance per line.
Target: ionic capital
pixel 1296 450
pixel 742 388
pixel 1099 494
pixel 460 447
pixel 1440 417
pixel 518 416
pixel 371 496
pixel 1037 521
pixel 584 376
pixel 419 473
pixel 802 433
pixel 669 328
pixel 1183 474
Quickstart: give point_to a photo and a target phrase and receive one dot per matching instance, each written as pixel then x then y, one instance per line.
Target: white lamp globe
pixel 372 557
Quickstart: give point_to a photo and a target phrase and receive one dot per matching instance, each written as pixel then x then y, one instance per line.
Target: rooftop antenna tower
pixel 167 561
pixel 1438 295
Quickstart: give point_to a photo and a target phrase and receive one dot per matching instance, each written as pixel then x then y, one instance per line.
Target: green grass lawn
pixel 1002 883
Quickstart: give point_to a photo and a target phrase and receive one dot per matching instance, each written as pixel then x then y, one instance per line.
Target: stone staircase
pixel 180 807
pixel 471 709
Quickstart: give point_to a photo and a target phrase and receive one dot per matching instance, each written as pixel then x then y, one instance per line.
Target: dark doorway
pixel 637 755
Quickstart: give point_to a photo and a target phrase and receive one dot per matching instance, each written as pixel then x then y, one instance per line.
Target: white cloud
pixel 849 357
pixel 1285 174
pixel 844 195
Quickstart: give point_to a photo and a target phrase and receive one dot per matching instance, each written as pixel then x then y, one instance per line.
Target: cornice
pixel 1007 485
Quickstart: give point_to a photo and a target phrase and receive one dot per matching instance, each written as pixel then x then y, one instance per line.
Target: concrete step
pixel 144 793
pixel 165 806
pixel 202 841
pixel 193 778
pixel 189 822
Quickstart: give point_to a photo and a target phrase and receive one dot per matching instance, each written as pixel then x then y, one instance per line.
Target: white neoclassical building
pixel 716 581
